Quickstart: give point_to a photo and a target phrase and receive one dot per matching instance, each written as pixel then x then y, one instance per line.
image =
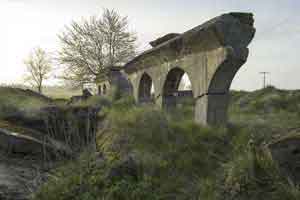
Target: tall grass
pixel 178 159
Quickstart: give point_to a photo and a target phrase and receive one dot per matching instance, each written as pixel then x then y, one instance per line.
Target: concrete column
pixel 201 110
pixel 211 109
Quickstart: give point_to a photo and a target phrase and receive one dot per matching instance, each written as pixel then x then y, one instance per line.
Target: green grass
pixel 178 159
pixel 20 98
pixel 16 102
pixel 269 112
pixel 169 155
pixel 61 92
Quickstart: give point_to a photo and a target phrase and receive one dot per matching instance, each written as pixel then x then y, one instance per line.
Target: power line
pixel 264 78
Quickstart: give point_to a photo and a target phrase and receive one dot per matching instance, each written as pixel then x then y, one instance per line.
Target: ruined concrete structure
pixel 113 78
pixel 210 54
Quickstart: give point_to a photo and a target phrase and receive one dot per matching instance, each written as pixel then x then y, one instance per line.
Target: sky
pixel 26 24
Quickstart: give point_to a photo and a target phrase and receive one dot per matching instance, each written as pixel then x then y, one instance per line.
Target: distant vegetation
pixel 51 91
pixel 270 111
pixel 39 68
pixel 61 92
pixel 266 101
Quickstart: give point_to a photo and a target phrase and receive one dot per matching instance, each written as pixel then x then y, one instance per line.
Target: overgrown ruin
pixel 211 54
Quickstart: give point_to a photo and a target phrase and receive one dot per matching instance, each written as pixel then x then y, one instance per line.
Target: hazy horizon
pixel 31 23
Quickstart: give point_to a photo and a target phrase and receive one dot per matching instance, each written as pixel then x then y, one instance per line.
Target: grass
pixel 61 92
pixel 270 112
pixel 14 101
pixel 23 108
pixel 168 155
pixel 174 158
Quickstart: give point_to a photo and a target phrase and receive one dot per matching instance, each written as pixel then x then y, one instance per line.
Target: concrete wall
pixel 116 79
pixel 210 54
pixel 104 88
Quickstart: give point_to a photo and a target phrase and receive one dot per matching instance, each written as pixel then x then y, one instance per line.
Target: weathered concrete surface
pixel 119 81
pixel 112 81
pixel 210 54
pixel 163 39
pixel 77 99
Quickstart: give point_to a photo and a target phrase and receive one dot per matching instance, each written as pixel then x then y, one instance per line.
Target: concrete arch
pixel 170 93
pixel 218 91
pixel 136 79
pixel 210 54
pixel 144 88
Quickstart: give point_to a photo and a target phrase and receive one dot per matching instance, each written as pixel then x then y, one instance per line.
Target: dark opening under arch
pixel 99 90
pixel 145 89
pixel 177 89
pixel 104 89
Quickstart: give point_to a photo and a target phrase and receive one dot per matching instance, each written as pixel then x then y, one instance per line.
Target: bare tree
pixel 90 46
pixel 39 67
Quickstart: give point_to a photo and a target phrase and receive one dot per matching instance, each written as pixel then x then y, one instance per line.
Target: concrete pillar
pixel 201 110
pixel 211 109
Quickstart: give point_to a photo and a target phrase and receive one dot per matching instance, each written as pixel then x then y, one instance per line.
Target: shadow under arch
pixel 99 90
pixel 173 94
pixel 104 90
pixel 146 89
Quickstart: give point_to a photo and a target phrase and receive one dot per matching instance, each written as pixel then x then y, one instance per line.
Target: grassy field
pixel 145 153
pixel 14 101
pixel 51 91
pixel 20 110
pixel 271 110
pixel 61 92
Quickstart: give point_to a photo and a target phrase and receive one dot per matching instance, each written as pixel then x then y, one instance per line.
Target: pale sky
pixel 26 24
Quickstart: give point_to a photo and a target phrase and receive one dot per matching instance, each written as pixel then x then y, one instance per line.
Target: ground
pixel 19 176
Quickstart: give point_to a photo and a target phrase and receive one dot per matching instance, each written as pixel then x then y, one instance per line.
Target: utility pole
pixel 264 78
